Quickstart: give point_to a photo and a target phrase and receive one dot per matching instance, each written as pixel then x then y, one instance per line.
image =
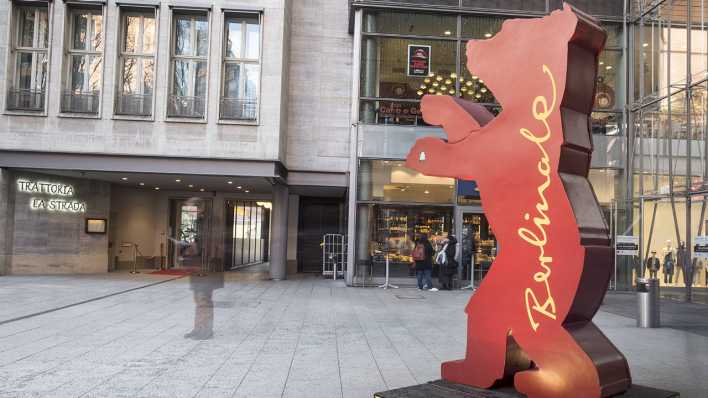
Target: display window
pixel 391 181
pixel 394 230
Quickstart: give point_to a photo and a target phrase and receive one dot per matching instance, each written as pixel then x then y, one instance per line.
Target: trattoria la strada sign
pixel 54 196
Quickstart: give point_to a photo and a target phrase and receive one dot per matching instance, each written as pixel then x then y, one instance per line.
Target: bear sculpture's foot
pixel 544 384
pixel 464 372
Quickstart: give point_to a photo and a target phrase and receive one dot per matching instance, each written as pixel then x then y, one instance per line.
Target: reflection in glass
pixel 241 68
pixel 138 64
pixel 189 69
pixel 31 37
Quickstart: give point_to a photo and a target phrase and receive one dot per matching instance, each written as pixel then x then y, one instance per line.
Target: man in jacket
pixel 424 263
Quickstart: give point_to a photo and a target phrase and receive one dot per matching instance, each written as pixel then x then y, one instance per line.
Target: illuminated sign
pixel 55 197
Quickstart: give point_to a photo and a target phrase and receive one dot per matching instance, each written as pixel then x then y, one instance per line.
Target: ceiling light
pixel 453 75
pixel 439 78
pixel 124 178
pixel 448 33
pixel 431 74
pixel 474 78
pixel 423 86
pixel 426 81
pixel 247 191
pixel 469 83
pixel 645 45
pixel 420 92
pixel 481 81
pixel 487 35
pixel 239 187
pixel 462 80
pixel 608 67
pixel 178 180
pixel 602 63
pixel 448 81
pixel 443 88
pixel 191 185
pixel 229 182
pixel 435 84
pixel 451 91
pixel 478 96
pixel 157 188
pixel 431 91
pixel 439 93
pixel 463 89
pixel 201 189
pixel 484 90
pixel 142 184
pixel 427 192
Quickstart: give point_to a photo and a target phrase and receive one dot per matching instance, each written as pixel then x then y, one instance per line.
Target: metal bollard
pixel 648 303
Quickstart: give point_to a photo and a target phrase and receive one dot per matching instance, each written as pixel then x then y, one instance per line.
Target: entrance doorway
pixel 479 245
pixel 318 217
pixel 247 233
pixel 189 232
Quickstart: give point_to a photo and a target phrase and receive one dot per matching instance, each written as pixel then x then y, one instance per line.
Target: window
pixel 189 66
pixel 137 63
pixel 30 59
pixel 84 62
pixel 241 68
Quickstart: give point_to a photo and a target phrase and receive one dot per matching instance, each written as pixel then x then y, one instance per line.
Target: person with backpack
pixel 423 260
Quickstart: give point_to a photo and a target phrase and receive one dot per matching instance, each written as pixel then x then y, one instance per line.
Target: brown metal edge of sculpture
pixel 531 318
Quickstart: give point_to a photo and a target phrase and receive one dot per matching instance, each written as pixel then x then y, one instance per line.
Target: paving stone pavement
pixel 305 337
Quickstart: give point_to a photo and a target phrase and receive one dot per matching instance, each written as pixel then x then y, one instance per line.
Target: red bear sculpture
pixel 531 316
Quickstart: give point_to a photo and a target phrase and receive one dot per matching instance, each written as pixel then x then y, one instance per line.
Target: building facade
pixel 222 134
pixel 183 134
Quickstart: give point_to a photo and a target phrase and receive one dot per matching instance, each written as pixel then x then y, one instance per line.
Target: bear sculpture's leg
pixel 486 345
pixel 562 368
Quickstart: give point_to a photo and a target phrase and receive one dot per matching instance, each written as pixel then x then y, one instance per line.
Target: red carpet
pixel 175 271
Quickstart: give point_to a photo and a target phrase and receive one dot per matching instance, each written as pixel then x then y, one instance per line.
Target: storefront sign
pixel 700 249
pixel 53 197
pixel 418 60
pixel 626 245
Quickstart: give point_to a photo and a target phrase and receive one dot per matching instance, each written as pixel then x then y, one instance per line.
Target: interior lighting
pixel 239 187
pixel 178 180
pixel 469 83
pixel 431 91
pixel 124 178
pixel 463 89
pixel 247 191
pixel 201 189
pixel 453 75
pixel 451 91
pixel 420 92
pixel 448 33
pixel 478 95
pixel 157 188
pixel 427 192
pixel 487 35
pixel 439 93
pixel 448 81
pixel 608 67
pixel 423 86
pixel 645 45
pixel 474 78
pixel 443 88
pixel 602 63
pixel 439 78
pixel 142 184
pixel 191 185
pixel 426 81
pixel 436 84
pixel 484 90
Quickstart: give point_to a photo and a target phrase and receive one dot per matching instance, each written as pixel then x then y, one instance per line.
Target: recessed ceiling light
pixel 191 185
pixel 157 188
pixel 645 45
pixel 247 191
pixel 487 35
pixel 178 180
pixel 602 63
pixel 608 67
pixel 239 187
pixel 427 192
pixel 230 182
pixel 201 189
pixel 448 33
pixel 142 184
pixel 124 178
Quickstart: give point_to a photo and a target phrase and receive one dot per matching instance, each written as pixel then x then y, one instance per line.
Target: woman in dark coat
pixel 424 266
pixel 449 268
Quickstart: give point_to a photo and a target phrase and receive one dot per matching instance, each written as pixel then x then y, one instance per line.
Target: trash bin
pixel 648 303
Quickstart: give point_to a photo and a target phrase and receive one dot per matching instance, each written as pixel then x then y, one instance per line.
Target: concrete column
pixel 6 221
pixel 279 233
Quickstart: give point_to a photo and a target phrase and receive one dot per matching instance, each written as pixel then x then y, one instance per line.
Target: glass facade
pixel 668 113
pixel 406 54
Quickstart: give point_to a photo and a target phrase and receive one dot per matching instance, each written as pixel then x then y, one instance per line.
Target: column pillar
pixel 7 201
pixel 279 233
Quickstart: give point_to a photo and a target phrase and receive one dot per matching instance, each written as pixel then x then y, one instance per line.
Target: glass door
pixel 189 230
pixel 478 243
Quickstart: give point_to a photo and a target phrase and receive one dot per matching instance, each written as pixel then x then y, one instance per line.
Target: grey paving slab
pixel 295 338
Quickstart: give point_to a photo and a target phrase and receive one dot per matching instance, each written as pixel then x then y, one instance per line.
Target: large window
pixel 30 59
pixel 137 63
pixel 190 48
pixel 84 61
pixel 241 67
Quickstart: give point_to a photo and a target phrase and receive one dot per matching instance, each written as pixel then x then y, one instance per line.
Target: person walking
pixel 423 258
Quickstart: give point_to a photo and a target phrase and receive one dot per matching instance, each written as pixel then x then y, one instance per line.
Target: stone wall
pixel 54 242
pixel 6 221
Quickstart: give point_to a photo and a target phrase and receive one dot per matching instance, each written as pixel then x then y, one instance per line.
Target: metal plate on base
pixel 443 389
